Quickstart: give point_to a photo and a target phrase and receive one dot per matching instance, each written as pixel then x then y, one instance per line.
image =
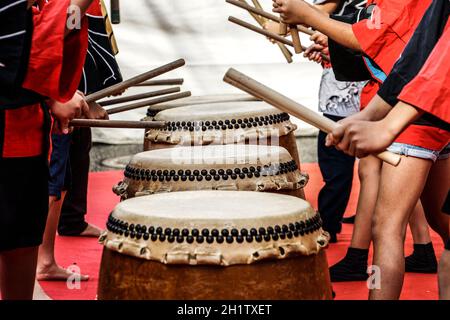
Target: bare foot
pixel 91 231
pixel 57 273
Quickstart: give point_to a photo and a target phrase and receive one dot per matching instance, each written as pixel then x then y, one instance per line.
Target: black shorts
pixel 23 202
pixel 447 245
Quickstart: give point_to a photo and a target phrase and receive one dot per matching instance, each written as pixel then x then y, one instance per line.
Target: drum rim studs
pixel 153 233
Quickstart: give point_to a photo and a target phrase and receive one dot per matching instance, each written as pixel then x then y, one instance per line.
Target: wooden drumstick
pixel 135 80
pixel 266 15
pixel 139 96
pixel 288 105
pixel 162 82
pixel 268 34
pixel 296 39
pixel 283 29
pixel 149 102
pixel 287 54
pixel 95 123
pixel 261 21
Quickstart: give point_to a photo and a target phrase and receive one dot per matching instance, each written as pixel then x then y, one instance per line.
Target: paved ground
pixel 103 154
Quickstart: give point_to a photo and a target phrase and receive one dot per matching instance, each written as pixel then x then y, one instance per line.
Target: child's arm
pixel 361 138
pixel 300 12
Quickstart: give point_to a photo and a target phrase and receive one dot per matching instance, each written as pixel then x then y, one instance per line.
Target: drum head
pixel 214 227
pixel 209 155
pixel 220 123
pixel 216 167
pixel 218 111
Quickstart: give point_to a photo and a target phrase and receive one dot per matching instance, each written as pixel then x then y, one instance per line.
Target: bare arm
pixel 400 117
pixel 360 137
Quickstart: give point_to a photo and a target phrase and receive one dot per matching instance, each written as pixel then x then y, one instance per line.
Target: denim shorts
pixel 419 152
pixel 60 173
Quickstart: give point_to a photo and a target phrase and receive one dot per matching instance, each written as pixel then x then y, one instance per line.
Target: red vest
pixel 384 39
pixel 430 89
pixel 54 71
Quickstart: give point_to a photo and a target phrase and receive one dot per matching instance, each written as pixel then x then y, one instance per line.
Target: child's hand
pixel 319 38
pixel 314 53
pixel 292 11
pixel 361 138
pixel 119 93
pixel 273 27
pixel 96 112
pixel 65 112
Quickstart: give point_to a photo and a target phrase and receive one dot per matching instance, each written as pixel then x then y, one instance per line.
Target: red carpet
pixel 86 253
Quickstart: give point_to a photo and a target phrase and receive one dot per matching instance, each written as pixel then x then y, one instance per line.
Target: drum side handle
pixel 120 189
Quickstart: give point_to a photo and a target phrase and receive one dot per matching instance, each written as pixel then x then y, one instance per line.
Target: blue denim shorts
pixel 419 152
pixel 60 173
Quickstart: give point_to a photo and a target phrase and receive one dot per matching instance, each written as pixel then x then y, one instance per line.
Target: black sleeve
pixel 16 28
pixel 417 51
pixel 101 69
pixel 14 42
pixel 349 65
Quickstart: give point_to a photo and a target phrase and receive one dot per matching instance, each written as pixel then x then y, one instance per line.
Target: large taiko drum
pixel 214 245
pixel 249 122
pixel 217 167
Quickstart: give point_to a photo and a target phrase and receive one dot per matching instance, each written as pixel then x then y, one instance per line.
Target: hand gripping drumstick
pixel 139 96
pixel 268 34
pixel 261 20
pixel 284 50
pixel 135 80
pixel 266 15
pixel 294 34
pixel 253 87
pixel 116 124
pixel 149 102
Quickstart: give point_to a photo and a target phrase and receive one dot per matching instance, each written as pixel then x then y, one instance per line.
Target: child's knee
pixel 368 172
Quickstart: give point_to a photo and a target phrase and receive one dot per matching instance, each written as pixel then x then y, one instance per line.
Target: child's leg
pixel 419 226
pixel 47 268
pixel 17 273
pixel 353 267
pixel 433 196
pixel 444 274
pixel 60 177
pixel 369 175
pixel 400 189
pixel 423 259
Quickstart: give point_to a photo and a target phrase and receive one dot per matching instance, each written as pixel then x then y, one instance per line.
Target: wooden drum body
pixel 217 167
pixel 214 245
